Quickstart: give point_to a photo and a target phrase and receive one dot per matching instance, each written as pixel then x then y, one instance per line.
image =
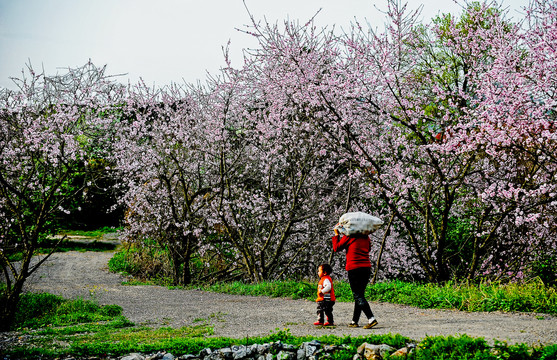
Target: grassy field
pixel 49 327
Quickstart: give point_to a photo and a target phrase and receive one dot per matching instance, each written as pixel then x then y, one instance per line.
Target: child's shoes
pixel 318 323
pixel 329 324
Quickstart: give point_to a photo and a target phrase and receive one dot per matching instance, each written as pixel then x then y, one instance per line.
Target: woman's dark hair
pixel 326 268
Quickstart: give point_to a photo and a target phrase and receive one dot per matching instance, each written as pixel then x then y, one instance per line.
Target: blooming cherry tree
pixel 50 147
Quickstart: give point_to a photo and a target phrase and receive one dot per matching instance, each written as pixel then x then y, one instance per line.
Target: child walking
pixel 325 296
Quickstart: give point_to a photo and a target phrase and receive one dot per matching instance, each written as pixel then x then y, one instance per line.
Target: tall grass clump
pixel 36 310
pixel 147 264
pixel 532 296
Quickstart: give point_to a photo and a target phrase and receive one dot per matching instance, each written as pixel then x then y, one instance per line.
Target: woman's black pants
pixel 358 279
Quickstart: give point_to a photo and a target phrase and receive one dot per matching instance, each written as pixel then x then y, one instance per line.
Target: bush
pixel 149 262
pixel 35 310
pixel 120 263
pixel 549 353
pixel 463 347
pixel 111 310
pixel 545 268
pixel 42 309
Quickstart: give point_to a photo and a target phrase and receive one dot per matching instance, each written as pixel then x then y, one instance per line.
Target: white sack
pixel 358 223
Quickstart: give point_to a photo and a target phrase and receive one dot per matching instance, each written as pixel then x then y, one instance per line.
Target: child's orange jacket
pixel 320 296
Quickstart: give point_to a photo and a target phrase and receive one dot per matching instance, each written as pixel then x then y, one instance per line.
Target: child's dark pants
pixel 325 307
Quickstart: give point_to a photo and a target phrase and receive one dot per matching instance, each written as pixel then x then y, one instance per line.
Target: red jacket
pixel 357 250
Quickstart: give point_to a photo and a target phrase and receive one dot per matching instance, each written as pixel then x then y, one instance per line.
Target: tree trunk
pixel 378 264
pixel 186 272
pixel 176 264
pixel 9 304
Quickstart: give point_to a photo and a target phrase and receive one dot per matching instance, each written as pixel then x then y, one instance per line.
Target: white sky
pixel 163 41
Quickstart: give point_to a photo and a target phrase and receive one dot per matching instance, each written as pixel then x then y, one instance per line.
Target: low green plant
pixel 148 264
pixel 35 310
pixel 533 296
pixel 43 309
pixel 549 353
pixel 98 233
pixel 121 263
pixel 465 347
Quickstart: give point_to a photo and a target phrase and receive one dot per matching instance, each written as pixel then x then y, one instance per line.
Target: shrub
pixel 549 353
pixel 36 310
pixel 463 347
pixel 41 309
pixel 545 267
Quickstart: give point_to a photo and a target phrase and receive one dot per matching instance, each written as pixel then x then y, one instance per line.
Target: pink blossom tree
pixel 51 145
pixel 432 145
pixel 232 172
pixel 167 154
pixel 517 105
pixel 445 127
pixel 414 110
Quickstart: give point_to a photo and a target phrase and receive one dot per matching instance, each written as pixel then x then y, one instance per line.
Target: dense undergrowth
pixel 531 296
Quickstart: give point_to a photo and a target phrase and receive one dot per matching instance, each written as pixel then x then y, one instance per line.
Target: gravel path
pixel 77 274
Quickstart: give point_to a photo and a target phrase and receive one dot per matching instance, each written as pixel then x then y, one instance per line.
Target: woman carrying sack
pixel 358 265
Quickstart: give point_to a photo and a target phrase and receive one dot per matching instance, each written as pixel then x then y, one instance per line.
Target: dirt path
pixel 76 274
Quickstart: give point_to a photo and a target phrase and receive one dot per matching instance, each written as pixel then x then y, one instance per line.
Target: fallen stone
pixel 239 352
pixel 168 356
pixel 188 357
pixel 263 348
pixel 312 347
pixel 133 356
pixel 226 353
pixel 205 352
pixel 370 351
pixel 400 352
pixel 285 355
pixel 288 347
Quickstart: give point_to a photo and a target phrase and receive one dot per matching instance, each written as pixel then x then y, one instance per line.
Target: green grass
pixel 120 263
pixel 46 244
pixel 98 233
pixel 53 327
pixel 532 296
pixel 43 309
pixel 70 245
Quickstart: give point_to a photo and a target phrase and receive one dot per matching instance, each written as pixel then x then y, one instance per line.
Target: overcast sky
pixel 163 41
